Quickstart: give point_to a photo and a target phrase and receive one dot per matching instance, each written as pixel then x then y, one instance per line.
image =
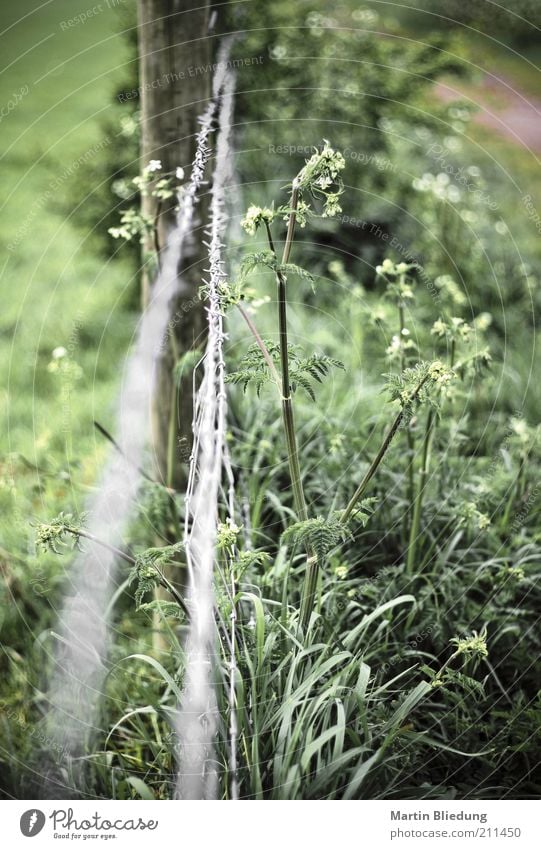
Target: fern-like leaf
pixel 51 535
pixel 147 571
pixel 318 535
pixel 362 512
pixel 297 270
pixel 302 370
pixel 166 608
pixel 250 262
pixel 316 367
pixel 453 678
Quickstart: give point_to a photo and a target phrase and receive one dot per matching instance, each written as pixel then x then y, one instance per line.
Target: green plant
pixel 133 223
pixel 320 179
pixel 341 698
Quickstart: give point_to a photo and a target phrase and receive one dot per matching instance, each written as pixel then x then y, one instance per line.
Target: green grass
pixel 57 290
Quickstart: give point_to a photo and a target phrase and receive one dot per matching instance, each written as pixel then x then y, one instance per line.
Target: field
pixel 58 292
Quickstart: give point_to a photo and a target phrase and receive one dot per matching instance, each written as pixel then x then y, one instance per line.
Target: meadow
pixel 377 571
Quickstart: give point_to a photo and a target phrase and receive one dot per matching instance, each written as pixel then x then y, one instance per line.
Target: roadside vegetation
pixel 382 555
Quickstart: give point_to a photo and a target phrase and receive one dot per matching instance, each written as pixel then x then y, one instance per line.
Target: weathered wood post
pixel 175 79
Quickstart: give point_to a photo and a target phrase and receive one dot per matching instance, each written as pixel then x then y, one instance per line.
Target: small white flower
pixel 179 173
pixel 439 328
pixel 233 527
pixel 153 165
pixel 324 182
pixel 387 267
pixel 129 125
pixel 121 189
pixel 395 347
pixel 59 353
pixel 482 321
pixel 483 521
pixel 255 215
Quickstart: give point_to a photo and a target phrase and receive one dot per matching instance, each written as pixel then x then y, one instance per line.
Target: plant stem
pixel 287 401
pixel 78 532
pixel 173 590
pixel 423 476
pixel 155 233
pixel 309 590
pixel 312 565
pixel 449 660
pixel 291 223
pixel 359 492
pixel 172 436
pixel 173 412
pixel 261 345
pixel 417 510
pixel 233 720
pixel 409 434
pixel 105 433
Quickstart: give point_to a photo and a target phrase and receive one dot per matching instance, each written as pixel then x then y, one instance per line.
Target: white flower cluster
pixel 455 328
pixel 132 222
pixel 400 344
pixel 440 374
pixel 322 172
pixel 61 363
pixel 390 269
pixel 227 534
pixel 255 216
